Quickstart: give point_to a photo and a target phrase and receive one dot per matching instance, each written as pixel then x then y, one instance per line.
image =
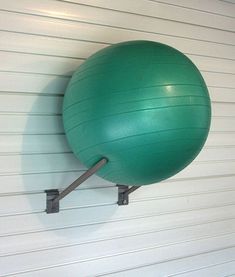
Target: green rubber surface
pixel 142 105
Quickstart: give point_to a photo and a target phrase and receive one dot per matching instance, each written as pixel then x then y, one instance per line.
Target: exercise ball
pixel 141 104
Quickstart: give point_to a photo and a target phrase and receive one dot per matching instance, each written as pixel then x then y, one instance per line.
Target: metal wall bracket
pixel 52 206
pixel 54 196
pixel 123 194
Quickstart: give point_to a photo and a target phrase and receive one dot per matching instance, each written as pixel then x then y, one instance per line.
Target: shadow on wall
pixel 53 166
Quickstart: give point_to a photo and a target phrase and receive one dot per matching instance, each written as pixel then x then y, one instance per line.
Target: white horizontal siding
pixel 111 262
pixel 54 143
pixel 71 47
pixel 184 226
pixel 52 124
pixel 214 263
pixel 136 243
pixel 36 163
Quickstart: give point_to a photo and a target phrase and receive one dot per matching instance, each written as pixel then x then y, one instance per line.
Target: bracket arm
pixel 53 195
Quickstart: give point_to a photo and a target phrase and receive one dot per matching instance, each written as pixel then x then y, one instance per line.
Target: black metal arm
pixel 53 195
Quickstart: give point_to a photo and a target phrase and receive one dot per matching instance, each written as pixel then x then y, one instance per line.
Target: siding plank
pixel 30 104
pixel 158 9
pixel 36 163
pixel 80 251
pixel 46 124
pixel 20 204
pixel 227 268
pixel 32 124
pixel 21 62
pixel 32 144
pixel 56 84
pixel 38 182
pixel 50 180
pixel 65 47
pixel 175 267
pixel 116 262
pixel 98 218
pixel 81 13
pixel 52 105
pixel 46 144
pixel 32 83
pixel 11 244
pixel 209 6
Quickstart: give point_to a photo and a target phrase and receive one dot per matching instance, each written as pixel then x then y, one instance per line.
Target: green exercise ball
pixel 141 104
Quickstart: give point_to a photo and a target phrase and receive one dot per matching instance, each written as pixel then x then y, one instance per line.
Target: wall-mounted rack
pixel 54 196
pixel 123 194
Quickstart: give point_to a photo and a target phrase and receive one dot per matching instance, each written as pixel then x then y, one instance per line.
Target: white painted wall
pixel 184 226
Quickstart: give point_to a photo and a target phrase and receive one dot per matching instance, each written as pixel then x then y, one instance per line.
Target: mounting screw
pixel 125 202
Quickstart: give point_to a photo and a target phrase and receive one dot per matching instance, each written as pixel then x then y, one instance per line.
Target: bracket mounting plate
pixel 51 205
pixel 123 196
